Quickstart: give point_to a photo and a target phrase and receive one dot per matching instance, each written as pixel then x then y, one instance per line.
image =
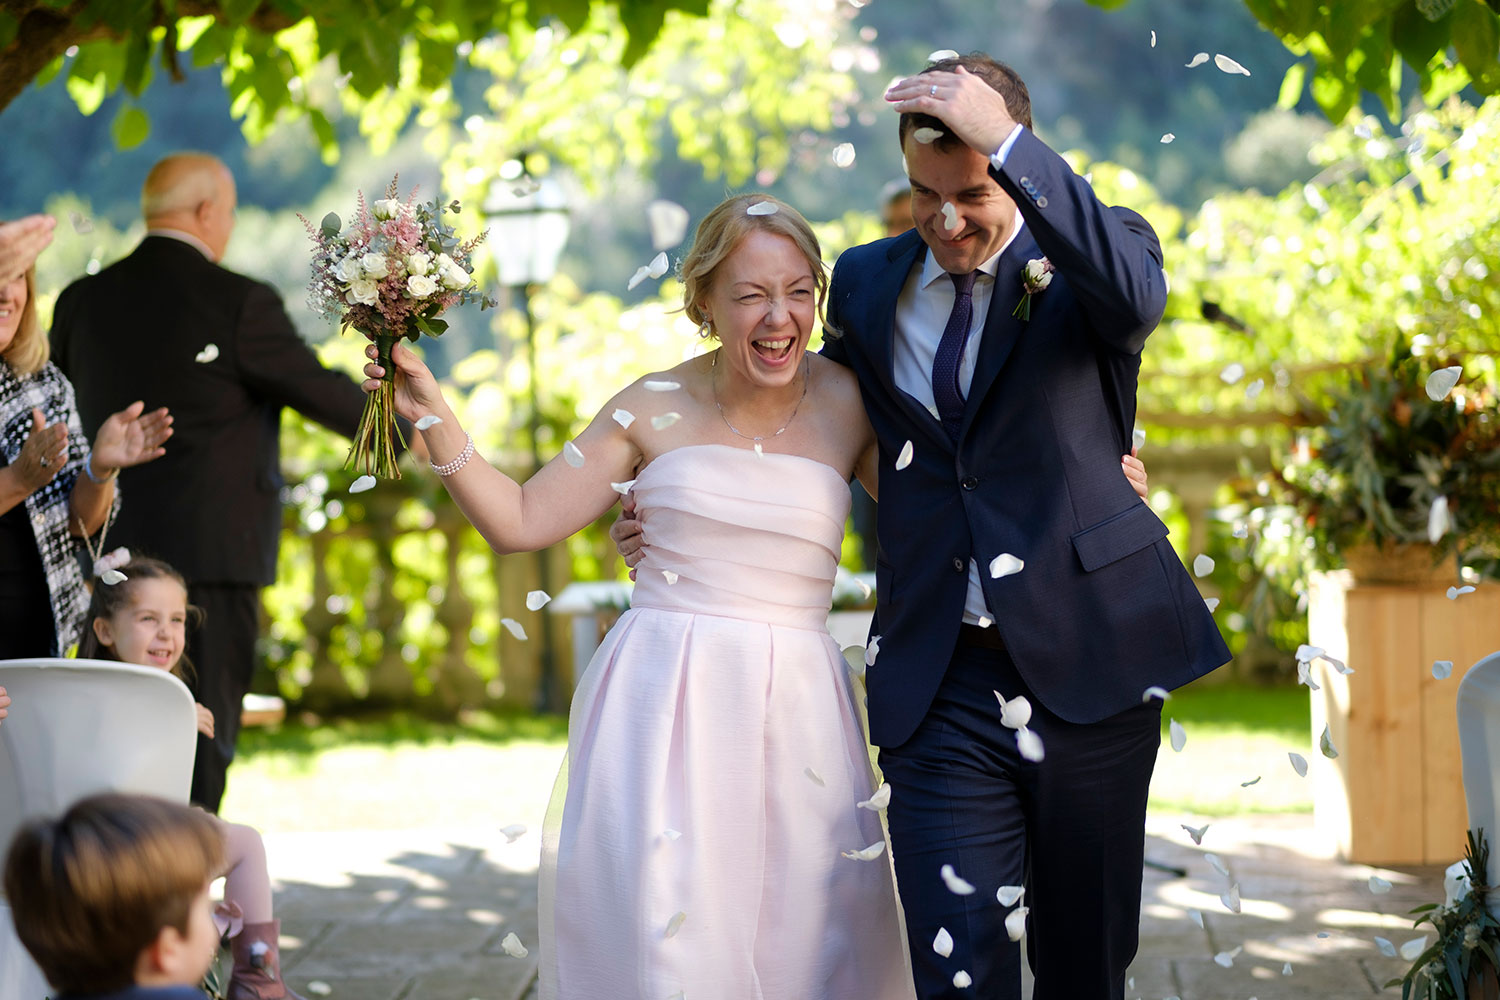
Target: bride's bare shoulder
pixel 833 377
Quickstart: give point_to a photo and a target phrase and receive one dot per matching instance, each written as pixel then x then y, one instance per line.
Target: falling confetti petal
pixel 112 577
pixel 361 484
pixel 623 417
pixel 984 621
pixel 1007 895
pixel 658 265
pixel 1138 438
pixel 1241 531
pixel 1196 916
pixel 669 222
pixel 514 832
pixel 864 588
pixel 671 834
pixel 82 225
pixel 1231 898
pixel 1306 653
pixel 513 947
pixel 1155 692
pixel 956 885
pixel 1441 382
pixel 1212 603
pixel 962 980
pixel 319 988
pixel 1299 764
pixel 661 385
pixel 428 421
pixel 1304 676
pixel 843 154
pixel 814 777
pixel 670 577
pixel 1379 886
pixel 904 459
pixel 1030 745
pixel 209 353
pixel 759 452
pixel 537 599
pixel 1438 522
pixel 664 421
pixel 926 136
pixel 1253 781
pixel 1167 137
pixel 872 650
pixel 572 455
pixel 941 54
pixel 1015 923
pixel 879 800
pixel 640 275
pixel 623 488
pixel 1202 565
pixel 1153 39
pixel 943 943
pixel 1232 373
pixel 1325 744
pixel 950 216
pixel 1226 958
pixel 1411 949
pixel 867 854
pixel 1005 564
pixel 1442 669
pixel 1286 968
pixel 1338 665
pixel 514 628
pixel 1386 948
pixel 675 924
pixel 1178 735
pixel 1015 713
pixel 1196 832
pixel 1454 593
pixel 762 208
pixel 1217 864
pixel 1198 60
pixel 1228 65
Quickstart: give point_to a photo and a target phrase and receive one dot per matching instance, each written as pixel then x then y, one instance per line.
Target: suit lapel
pixel 1001 329
pixel 879 320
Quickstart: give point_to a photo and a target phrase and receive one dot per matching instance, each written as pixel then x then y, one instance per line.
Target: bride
pixel 716 835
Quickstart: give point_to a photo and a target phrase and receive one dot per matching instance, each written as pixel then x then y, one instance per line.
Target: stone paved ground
pixel 419 914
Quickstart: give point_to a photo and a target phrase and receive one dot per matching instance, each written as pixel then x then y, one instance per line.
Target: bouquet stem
pixel 374 450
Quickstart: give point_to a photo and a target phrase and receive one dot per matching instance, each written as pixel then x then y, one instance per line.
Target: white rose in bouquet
pixel 386 208
pixel 364 292
pixel 420 286
pixel 347 269
pixel 419 262
pixel 450 273
pixel 375 265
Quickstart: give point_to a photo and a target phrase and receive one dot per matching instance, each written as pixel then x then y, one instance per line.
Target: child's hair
pixel 109 598
pixel 92 890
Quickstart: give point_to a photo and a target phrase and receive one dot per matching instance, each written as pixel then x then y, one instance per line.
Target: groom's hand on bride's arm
pixel 627 535
pixel 1135 472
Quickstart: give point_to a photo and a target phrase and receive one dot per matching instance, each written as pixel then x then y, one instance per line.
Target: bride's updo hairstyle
pixel 720 233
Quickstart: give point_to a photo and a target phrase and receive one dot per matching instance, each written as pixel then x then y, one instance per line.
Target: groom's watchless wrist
pixel 999 156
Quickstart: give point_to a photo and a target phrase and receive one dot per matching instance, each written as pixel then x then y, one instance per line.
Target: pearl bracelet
pixel 449 468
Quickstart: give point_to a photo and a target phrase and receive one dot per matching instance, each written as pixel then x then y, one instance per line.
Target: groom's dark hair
pixel 1001 78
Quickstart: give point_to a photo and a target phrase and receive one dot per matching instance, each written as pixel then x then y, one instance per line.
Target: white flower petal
pixel 870 853
pixel 209 353
pixel 1338 665
pixel 956 884
pixel 1030 745
pixel 665 420
pixel 1212 603
pixel 940 55
pixel 1454 593
pixel 1138 438
pixel 1442 381
pixel 1155 692
pixel 1306 653
pixel 1253 781
pixel 1178 735
pixel 1228 65
pixel 1007 895
pixel 1411 949
pixel 1225 959
pixel 1232 373
pixel 1379 886
pixel 1438 521
pixel 1015 713
pixel 950 216
pixel 1167 137
pixel 675 924
pixel 872 650
pixel 1299 764
pixel 927 135
pixel 1196 832
pixel 1325 744
pixel 1202 565
pixel 514 628
pixel 762 208
pixel 1015 923
pixel 1304 676
pixel 1198 60
pixel 814 777
pixel 864 588
pixel 1196 916
pixel 1386 948
pixel 512 946
pixel 984 621
pixel 943 943
pixel 879 800
pixel 640 275
pixel 428 421
pixel 514 832
pixel 671 834
pixel 904 459
pixel 1005 564
pixel 112 577
pixel 537 599
pixel 1442 669
pixel 962 979
pixel 623 417
pixel 623 488
pixel 669 223
pixel 361 484
pixel 759 452
pixel 1153 39
pixel 1217 864
pixel 843 155
pixel 1286 968
pixel 82 224
pixel 658 265
pixel 660 385
pixel 670 577
pixel 572 455
pixel 1231 898
pixel 319 988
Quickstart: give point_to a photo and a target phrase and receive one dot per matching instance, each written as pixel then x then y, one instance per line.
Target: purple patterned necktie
pixel 950 352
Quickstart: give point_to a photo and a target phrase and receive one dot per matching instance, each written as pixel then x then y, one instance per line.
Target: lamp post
pixel 528 229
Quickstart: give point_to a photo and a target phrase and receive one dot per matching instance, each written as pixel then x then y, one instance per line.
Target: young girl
pixel 143 619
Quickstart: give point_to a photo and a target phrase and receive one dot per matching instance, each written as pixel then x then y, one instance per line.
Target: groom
pixel 1016 425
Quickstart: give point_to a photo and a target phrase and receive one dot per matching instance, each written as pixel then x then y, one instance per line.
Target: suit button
pixel 958 564
pixel 969 483
pixel 1025 182
pixel 1041 202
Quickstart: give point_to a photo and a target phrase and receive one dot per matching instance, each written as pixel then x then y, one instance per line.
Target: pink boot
pixel 257 964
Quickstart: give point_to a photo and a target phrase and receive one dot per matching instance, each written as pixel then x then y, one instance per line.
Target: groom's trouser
pixel 1071 828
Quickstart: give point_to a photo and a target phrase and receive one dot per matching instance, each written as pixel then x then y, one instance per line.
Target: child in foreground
pixel 112 898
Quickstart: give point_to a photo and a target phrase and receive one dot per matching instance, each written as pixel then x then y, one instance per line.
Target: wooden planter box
pixel 1394 795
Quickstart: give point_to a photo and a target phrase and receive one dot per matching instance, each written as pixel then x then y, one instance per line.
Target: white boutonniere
pixel 1035 277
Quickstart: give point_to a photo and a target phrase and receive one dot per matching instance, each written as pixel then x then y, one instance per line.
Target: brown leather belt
pixel 982 638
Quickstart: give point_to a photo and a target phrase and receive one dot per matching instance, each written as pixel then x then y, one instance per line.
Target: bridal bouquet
pixel 390 274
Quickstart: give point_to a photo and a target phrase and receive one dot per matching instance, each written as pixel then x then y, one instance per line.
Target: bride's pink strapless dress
pixel 715 760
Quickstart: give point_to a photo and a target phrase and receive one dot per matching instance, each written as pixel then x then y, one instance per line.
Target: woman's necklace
pixel 758 438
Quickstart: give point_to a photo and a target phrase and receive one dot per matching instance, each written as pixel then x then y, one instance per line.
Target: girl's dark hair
pixel 109 598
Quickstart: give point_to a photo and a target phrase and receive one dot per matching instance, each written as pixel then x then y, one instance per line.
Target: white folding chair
pixel 77 727
pixel 1479 743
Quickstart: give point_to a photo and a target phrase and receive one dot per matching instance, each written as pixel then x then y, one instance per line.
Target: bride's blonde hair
pixel 720 233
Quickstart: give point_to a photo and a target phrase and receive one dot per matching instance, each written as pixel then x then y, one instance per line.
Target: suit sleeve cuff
pixel 998 157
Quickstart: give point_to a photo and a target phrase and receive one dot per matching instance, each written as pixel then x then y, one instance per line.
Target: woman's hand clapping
pixel 43 454
pixel 130 438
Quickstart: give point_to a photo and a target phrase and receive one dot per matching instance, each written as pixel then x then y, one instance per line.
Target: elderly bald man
pixel 170 325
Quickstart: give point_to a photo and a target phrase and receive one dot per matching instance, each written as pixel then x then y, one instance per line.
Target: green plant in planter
pixel 1382 454
pixel 1467 937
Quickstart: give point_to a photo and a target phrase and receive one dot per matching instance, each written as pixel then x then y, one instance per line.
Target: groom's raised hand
pixel 974 111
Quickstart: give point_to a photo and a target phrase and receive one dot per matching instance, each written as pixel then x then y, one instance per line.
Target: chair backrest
pixel 1479 743
pixel 77 727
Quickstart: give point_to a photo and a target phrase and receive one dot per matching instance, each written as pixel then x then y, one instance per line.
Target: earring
pixel 706 330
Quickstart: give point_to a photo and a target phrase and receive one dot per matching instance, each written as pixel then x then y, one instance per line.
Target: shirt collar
pixel 182 237
pixel 932 270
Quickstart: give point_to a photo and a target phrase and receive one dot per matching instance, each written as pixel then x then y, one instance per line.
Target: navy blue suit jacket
pixel 1103 608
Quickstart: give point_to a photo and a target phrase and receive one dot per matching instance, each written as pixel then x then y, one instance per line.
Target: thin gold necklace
pixel 758 438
